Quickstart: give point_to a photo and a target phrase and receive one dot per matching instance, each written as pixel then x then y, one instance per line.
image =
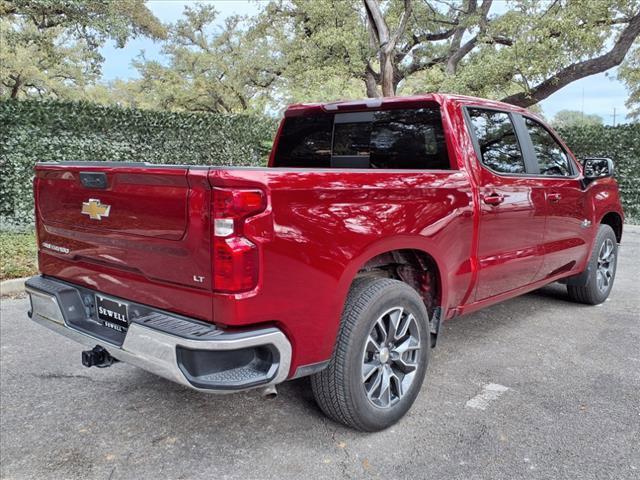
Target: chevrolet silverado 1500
pixel 375 221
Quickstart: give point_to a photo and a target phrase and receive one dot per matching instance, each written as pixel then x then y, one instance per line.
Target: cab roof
pixel 413 101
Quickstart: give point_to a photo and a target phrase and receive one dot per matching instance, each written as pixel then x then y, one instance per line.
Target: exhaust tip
pixel 269 392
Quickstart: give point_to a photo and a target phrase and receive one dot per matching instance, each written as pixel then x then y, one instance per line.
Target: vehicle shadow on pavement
pixel 554 291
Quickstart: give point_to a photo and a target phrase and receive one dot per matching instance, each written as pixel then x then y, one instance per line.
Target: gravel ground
pixel 536 387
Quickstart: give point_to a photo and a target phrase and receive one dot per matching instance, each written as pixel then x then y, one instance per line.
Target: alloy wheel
pixel 606 265
pixel 390 357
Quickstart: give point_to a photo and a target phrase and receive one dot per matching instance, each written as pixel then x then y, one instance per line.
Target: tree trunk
pixel 372 84
pixel 15 90
pixel 386 42
pixel 387 74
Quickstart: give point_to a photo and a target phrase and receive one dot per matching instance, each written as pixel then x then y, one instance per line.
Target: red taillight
pixel 236 260
pixel 235 266
pixel 229 203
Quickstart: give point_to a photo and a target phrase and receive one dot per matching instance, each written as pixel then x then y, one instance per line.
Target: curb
pixel 13 286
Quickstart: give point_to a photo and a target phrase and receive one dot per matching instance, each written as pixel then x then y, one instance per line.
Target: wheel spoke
pixel 404 325
pixel 605 250
pixel 406 364
pixel 395 317
pixel 395 380
pixel 368 369
pixel 382 330
pixel 372 345
pixel 375 384
pixel 406 346
pixel 385 387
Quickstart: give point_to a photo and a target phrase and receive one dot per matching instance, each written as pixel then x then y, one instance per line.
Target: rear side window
pixel 391 139
pixel 497 141
pixel 552 159
pixel 305 141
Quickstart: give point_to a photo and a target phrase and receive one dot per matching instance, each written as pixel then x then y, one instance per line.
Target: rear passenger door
pixel 512 204
pixel 567 230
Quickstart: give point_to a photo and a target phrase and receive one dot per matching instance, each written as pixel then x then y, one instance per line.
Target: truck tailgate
pixel 150 204
pixel 100 223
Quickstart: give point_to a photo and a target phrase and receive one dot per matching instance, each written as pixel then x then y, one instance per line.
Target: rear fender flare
pixel 384 246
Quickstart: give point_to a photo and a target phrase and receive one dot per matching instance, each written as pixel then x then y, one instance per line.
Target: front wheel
pixel 602 265
pixel 380 357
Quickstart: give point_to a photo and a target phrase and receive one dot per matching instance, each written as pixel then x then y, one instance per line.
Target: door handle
pixel 554 197
pixel 493 199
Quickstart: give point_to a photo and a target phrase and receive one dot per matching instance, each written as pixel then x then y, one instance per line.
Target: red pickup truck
pixel 375 221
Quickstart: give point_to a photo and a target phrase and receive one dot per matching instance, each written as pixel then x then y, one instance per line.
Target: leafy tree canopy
pixel 519 51
pixel 629 73
pixel 574 118
pixel 522 51
pixel 210 68
pixel 49 48
pixel 301 50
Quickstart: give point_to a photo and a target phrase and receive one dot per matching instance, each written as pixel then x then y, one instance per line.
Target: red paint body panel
pixel 318 229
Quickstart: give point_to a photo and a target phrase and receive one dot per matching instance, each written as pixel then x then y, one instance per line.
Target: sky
pixel 599 94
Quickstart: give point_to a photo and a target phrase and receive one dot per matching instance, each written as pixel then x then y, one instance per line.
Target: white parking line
pixel 489 393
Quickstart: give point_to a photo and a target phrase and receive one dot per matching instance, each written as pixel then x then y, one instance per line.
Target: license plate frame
pixel 112 313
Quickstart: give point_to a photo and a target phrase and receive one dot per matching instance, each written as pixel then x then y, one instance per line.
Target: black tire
pixel 341 391
pixel 596 290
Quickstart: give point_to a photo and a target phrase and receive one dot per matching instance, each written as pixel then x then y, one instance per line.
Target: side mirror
pixel 595 168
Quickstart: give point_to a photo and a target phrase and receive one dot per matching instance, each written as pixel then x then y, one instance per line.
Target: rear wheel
pixel 602 264
pixel 380 358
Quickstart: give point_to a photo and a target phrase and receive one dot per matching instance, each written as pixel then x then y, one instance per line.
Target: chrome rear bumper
pixel 187 352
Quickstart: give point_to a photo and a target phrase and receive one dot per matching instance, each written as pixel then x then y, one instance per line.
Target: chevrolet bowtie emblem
pixel 95 209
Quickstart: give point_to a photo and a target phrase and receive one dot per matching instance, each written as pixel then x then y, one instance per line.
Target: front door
pixel 566 242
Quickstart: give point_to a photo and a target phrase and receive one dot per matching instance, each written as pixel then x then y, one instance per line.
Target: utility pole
pixel 614 116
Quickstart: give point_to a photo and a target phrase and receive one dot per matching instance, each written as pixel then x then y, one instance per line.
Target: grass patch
pixel 18 255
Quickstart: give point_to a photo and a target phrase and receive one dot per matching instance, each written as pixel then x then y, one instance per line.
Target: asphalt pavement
pixel 536 387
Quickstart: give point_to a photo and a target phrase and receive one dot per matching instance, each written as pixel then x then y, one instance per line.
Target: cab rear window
pixel 385 139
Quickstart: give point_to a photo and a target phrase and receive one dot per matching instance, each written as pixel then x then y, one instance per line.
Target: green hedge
pixel 622 144
pixel 53 131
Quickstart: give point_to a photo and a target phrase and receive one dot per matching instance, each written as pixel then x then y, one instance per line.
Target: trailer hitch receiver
pixel 97 357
